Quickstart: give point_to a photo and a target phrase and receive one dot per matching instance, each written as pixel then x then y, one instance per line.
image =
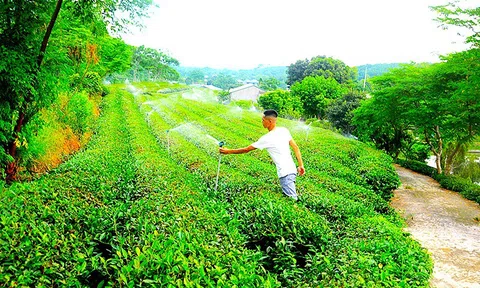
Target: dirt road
pixel 446 224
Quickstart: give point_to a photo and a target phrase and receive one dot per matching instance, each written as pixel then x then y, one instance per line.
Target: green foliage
pixel 261 72
pixel 115 55
pixel 469 169
pixel 330 68
pixel 90 82
pixel 137 207
pixel 224 96
pixel 31 75
pixel 436 103
pixel 269 83
pixel 462 185
pixel 287 105
pixel 79 113
pixel 244 104
pixel 328 194
pixel 326 67
pixel 150 64
pixel 224 81
pixel 296 71
pixel 452 14
pixel 316 94
pixel 196 76
pixel 415 150
pixel 340 112
pixel 373 70
pixel 376 121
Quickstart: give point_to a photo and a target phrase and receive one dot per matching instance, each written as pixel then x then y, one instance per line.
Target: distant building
pixel 246 92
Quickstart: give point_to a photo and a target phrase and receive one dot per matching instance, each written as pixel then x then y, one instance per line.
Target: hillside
pixel 278 72
pixel 375 69
pixel 139 207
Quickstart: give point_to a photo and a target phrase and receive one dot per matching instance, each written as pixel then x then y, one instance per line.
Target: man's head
pixel 269 119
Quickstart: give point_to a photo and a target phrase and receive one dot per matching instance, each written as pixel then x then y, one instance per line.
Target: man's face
pixel 265 122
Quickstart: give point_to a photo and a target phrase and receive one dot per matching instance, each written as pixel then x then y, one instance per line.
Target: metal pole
pixel 221 143
pixel 218 171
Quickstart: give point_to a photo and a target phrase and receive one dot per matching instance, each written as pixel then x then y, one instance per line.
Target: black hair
pixel 270 113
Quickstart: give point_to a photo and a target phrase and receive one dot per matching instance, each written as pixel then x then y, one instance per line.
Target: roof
pixel 243 87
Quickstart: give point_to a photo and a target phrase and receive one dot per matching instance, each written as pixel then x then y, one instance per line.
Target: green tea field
pixel 138 206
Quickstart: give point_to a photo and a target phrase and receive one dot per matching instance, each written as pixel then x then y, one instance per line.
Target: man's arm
pixel 298 155
pixel 237 151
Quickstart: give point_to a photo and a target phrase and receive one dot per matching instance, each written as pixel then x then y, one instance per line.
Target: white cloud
pixel 244 34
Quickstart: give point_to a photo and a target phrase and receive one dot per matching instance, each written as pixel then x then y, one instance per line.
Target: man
pixel 277 142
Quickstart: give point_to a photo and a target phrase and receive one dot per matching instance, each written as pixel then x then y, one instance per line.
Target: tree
pixel 269 83
pixel 287 105
pixel 453 92
pixel 340 113
pixel 452 14
pixel 381 119
pixel 152 64
pixel 27 81
pixel 226 82
pixel 321 66
pixel 330 68
pixel 438 104
pixel 196 76
pixel 296 71
pixel 115 55
pixel 316 93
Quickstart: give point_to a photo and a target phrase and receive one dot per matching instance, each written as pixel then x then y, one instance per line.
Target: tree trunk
pixel 449 159
pixel 436 150
pixel 46 37
pixel 11 169
pixel 438 163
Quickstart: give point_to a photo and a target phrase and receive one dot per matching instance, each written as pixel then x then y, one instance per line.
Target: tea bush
pixel 253 173
pixel 138 207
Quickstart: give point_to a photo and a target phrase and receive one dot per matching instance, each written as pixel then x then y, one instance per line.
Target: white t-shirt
pixel 277 143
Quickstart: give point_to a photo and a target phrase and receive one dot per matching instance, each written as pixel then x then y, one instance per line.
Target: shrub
pixel 79 113
pixel 464 186
pixel 420 167
pixel 91 82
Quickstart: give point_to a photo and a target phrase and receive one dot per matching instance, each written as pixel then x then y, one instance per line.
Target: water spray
pixel 308 129
pixel 168 142
pixel 220 144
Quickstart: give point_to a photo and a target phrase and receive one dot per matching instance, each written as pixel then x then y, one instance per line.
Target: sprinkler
pixel 220 144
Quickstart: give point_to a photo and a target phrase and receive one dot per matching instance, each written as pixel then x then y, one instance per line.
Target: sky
pixel 245 34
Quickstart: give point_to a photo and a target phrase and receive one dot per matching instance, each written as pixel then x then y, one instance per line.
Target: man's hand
pixel 301 170
pixel 223 150
pixel 236 151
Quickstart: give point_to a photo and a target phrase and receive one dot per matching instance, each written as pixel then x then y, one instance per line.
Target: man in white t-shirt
pixel 277 142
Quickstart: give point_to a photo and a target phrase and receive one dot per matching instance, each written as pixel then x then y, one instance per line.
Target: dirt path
pixel 443 222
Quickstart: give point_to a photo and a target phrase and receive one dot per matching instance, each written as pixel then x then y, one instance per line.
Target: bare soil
pixel 446 224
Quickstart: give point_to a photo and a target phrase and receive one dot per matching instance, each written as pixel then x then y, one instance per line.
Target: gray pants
pixel 288 185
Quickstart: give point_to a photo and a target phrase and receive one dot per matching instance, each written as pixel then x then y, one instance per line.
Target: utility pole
pixel 365 78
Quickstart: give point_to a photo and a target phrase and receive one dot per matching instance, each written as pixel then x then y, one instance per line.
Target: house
pixel 246 92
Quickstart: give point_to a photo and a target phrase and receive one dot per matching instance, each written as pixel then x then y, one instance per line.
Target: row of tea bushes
pixel 247 180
